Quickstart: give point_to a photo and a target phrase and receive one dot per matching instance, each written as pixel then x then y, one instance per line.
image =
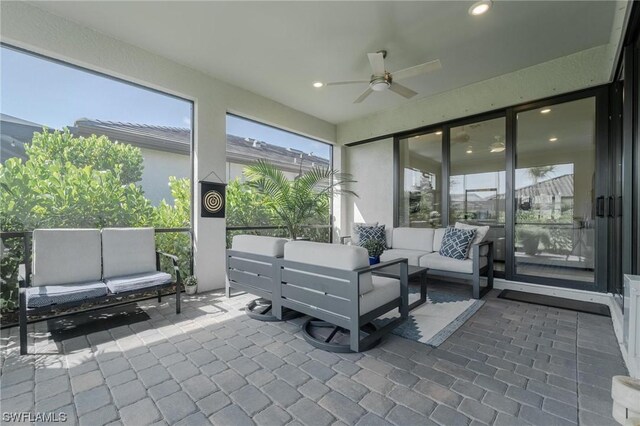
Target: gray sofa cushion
pixel 413 256
pixel 413 239
pixel 66 256
pixel 384 291
pixel 41 296
pixel 137 282
pixel 257 244
pixel 443 263
pixel 481 235
pixel 331 256
pixel 128 251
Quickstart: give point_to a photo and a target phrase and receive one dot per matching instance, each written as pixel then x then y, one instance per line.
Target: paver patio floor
pixel 511 363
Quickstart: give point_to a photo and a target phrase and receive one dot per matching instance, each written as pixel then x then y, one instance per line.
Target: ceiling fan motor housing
pixel 380 83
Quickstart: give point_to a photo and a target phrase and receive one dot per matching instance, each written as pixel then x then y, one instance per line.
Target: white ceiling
pixel 277 49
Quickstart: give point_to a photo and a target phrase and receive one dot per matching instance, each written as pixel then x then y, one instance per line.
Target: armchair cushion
pixel 443 263
pixel 47 295
pixel 66 256
pixel 257 244
pixel 481 234
pixel 137 282
pixel 384 290
pixel 128 251
pixel 456 242
pixel 413 256
pixel 413 239
pixel 331 256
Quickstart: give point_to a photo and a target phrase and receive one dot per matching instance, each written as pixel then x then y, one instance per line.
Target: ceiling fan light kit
pixel 381 79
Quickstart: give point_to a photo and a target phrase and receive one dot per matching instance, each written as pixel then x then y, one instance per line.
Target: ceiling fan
pixel 381 79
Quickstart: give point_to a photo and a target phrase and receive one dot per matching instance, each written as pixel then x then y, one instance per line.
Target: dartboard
pixel 213 201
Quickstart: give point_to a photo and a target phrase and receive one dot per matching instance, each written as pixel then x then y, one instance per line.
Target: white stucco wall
pixel 26 26
pixel 158 166
pixel 372 167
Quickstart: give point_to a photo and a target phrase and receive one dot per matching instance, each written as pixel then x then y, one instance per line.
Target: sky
pixel 56 95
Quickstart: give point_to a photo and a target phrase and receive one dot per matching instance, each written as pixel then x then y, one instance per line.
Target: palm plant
pixel 296 201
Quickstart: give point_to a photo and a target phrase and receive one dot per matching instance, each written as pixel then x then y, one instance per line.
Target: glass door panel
pixel 477 180
pixel 420 181
pixel 555 178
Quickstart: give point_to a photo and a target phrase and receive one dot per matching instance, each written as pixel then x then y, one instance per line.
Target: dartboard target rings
pixel 213 201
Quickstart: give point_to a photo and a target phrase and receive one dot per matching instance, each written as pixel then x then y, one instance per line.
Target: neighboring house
pixel 166 150
pixel 14 133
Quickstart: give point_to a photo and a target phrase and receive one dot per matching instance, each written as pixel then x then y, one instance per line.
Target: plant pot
pixel 373 260
pixel 191 289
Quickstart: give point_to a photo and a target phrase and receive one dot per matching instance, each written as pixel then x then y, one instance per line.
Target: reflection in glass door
pixel 420 181
pixel 555 202
pixel 477 180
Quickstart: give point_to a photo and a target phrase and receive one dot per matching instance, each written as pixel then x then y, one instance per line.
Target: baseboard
pixel 567 293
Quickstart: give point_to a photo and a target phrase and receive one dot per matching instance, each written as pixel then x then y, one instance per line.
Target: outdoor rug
pixel 437 319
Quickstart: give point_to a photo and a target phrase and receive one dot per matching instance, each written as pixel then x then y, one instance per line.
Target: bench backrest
pixel 413 239
pixel 66 256
pixel 128 251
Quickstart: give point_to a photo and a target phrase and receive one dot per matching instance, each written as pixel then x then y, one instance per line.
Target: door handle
pixel 612 206
pixel 600 206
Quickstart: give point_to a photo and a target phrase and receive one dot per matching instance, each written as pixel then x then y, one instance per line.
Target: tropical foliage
pixel 296 202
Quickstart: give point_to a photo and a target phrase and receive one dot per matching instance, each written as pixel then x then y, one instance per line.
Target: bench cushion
pixel 128 251
pixel 41 296
pixel 66 256
pixel 413 239
pixel 137 282
pixel 384 291
pixel 257 244
pixel 438 234
pixel 439 262
pixel 413 256
pixel 331 256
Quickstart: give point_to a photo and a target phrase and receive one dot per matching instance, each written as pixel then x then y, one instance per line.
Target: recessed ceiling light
pixel 470 150
pixel 545 111
pixel 318 84
pixel 438 132
pixel 553 139
pixel 480 7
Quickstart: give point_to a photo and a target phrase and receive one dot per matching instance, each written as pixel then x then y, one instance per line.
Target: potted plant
pixel 190 284
pixel 375 249
pixel 294 202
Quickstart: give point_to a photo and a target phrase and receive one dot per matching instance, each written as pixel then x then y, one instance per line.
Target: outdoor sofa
pixel 73 267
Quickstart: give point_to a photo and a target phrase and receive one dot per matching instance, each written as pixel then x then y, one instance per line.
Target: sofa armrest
pixel 380 265
pixel 476 248
pixel 174 262
pixel 23 280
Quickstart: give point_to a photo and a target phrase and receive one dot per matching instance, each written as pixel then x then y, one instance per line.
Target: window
pixel 477 180
pixel 419 181
pixel 83 150
pixel 250 143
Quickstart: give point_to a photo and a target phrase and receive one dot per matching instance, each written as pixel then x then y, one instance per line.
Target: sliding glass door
pixel 477 179
pixel 555 191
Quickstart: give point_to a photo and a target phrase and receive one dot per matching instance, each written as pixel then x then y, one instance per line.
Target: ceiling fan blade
pixel 402 90
pixel 377 63
pixel 417 70
pixel 363 96
pixel 340 83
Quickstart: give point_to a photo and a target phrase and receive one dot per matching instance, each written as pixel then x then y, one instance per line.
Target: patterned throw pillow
pixel 456 242
pixel 366 233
